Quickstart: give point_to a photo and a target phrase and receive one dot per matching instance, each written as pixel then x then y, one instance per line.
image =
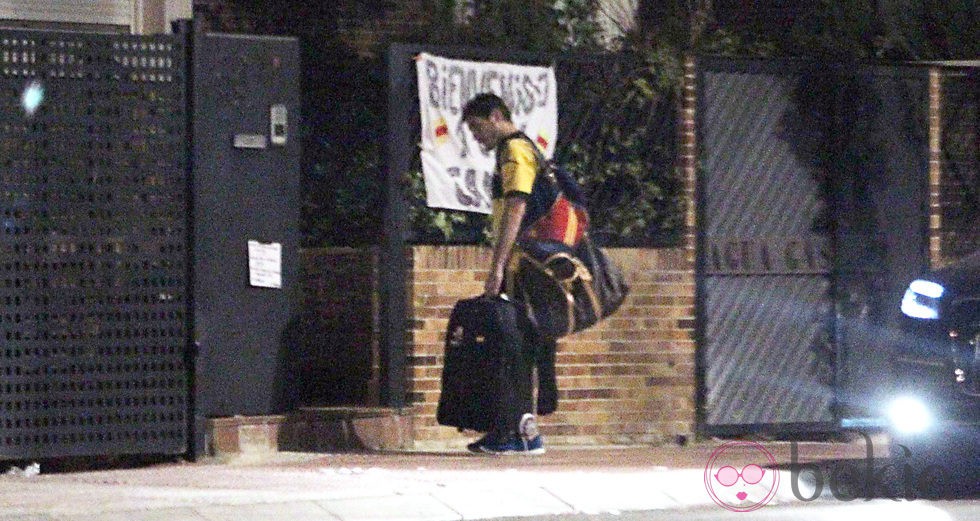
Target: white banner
pixel 457 172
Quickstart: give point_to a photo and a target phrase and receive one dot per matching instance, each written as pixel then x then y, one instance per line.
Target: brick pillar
pixel 688 163
pixel 935 167
pixel 688 157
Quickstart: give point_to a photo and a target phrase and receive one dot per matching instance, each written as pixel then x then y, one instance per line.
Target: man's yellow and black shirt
pixel 519 163
pixel 522 171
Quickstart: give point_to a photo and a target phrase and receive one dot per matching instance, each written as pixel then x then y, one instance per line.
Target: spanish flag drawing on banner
pixel 543 141
pixel 441 130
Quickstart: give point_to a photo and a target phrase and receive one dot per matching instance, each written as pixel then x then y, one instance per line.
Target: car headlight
pixel 921 299
pixel 909 415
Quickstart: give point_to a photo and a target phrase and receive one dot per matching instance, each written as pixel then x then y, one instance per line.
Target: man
pixel 518 164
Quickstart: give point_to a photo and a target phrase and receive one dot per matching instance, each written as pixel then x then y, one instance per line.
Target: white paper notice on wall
pixel 265 264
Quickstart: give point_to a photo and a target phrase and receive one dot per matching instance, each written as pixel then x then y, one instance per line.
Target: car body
pixel 934 413
pixel 941 334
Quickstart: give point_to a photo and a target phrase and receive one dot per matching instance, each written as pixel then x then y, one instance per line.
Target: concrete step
pixel 312 429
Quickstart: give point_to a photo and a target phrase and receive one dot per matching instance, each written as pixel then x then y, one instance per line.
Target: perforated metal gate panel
pixel 93 246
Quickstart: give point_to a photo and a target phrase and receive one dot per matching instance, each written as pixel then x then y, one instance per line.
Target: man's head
pixel 488 118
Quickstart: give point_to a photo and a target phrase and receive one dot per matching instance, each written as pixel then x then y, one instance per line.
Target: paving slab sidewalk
pixel 410 486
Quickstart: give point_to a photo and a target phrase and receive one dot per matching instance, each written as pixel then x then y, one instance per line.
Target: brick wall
pixel 630 379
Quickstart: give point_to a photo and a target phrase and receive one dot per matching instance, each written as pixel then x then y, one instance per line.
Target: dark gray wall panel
pixel 242 193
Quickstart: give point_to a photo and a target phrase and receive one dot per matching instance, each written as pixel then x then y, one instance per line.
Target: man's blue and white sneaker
pixel 528 427
pixel 528 440
pixel 477 446
pixel 515 445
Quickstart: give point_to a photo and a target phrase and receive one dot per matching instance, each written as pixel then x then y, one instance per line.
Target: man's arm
pixel 510 226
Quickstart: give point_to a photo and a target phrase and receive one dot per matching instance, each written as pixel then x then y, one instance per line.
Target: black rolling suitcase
pixel 486 377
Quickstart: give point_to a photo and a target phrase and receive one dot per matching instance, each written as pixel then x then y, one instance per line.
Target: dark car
pixel 934 413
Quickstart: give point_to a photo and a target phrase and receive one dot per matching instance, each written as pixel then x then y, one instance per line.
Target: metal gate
pixel 805 166
pixel 94 244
